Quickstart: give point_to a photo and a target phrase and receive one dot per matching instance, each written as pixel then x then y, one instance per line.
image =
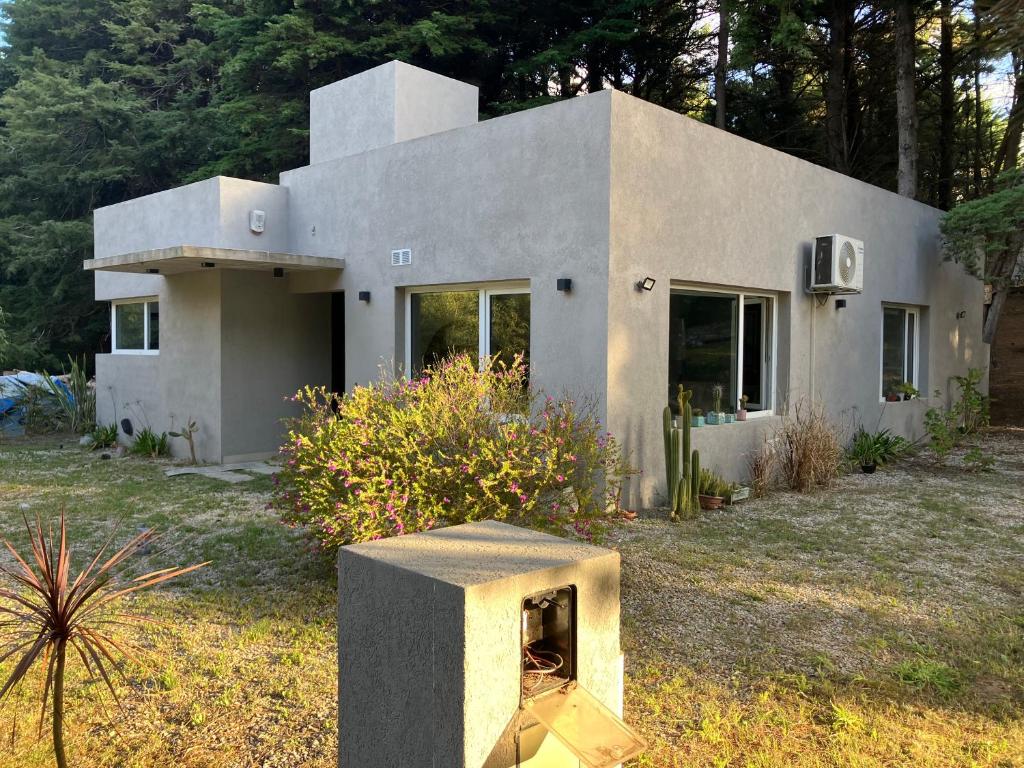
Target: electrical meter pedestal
pixel 483 645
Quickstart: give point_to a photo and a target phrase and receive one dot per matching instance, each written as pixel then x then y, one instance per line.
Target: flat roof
pixel 192 258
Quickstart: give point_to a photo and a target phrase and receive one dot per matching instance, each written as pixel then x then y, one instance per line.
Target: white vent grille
pixel 401 258
pixel 847 262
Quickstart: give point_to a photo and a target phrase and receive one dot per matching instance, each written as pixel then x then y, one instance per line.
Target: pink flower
pixel 560 478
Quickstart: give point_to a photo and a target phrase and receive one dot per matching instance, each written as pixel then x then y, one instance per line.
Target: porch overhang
pixel 192 258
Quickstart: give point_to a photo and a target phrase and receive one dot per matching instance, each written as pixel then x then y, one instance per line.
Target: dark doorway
pixel 338 342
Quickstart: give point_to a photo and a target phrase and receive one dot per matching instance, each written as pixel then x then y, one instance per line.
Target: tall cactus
pixel 694 507
pixel 679 459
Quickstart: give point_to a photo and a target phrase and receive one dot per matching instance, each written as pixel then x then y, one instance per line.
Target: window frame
pixel 915 380
pixel 145 302
pixel 483 318
pixel 772 348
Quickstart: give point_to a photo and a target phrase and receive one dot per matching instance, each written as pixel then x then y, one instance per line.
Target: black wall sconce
pixel 961 314
pixel 647 284
pixel 278 271
pixel 364 296
pixel 207 264
pixel 564 284
pixel 840 303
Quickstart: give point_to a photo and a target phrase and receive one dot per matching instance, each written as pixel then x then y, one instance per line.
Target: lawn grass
pixel 880 622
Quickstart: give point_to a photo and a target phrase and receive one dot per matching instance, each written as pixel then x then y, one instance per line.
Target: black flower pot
pixel 868 469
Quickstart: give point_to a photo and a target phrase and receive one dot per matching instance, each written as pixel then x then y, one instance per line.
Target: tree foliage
pixel 104 100
pixel 986 236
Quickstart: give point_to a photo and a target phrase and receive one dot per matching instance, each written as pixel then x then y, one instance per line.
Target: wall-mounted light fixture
pixel 564 284
pixel 840 303
pixel 961 314
pixel 647 284
pixel 278 271
pixel 364 296
pixel 207 264
pixel 152 271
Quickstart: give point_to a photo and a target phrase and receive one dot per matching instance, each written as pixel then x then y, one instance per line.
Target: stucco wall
pixel 389 103
pixel 272 343
pixel 694 204
pixel 523 197
pixel 183 380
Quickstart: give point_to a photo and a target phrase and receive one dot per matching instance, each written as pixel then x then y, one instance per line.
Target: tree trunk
pixel 947 106
pixel 836 86
pixel 722 65
pixel 906 103
pixel 977 102
pixel 1009 149
pixel 58 707
pixel 1001 279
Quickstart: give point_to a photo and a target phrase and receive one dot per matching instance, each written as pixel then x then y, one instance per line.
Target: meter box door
pixel 482 645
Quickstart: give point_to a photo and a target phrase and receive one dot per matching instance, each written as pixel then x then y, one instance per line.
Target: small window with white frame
pixel 135 326
pixel 901 329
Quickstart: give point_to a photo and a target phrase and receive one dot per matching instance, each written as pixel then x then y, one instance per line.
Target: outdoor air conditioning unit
pixel 837 265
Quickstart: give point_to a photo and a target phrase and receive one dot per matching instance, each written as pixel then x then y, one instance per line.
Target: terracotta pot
pixel 627 514
pixel 711 502
pixel 741 415
pixel 892 398
pixel 868 469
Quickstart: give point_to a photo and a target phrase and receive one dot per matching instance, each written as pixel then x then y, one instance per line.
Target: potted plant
pixel 716 405
pixel 697 419
pixel 741 414
pixel 713 490
pixel 908 390
pixel 865 450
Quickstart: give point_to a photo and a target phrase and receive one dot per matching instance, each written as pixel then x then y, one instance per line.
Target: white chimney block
pixel 384 105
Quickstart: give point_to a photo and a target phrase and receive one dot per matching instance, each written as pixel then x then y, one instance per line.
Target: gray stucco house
pixel 415 228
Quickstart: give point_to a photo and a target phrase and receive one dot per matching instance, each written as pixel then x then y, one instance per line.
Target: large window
pixel 135 326
pixel 478 321
pixel 900 330
pixel 722 340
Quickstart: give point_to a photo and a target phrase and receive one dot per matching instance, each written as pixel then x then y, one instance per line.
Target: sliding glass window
pixel 721 340
pixel 493 321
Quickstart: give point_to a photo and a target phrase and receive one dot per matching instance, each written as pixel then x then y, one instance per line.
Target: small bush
pixel 809 450
pixel 877 447
pixel 104 437
pixel 149 443
pixel 455 445
pixel 764 465
pixel 713 484
pixel 76 398
pixel 970 412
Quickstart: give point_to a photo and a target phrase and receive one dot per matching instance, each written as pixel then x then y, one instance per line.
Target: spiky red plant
pixel 47 613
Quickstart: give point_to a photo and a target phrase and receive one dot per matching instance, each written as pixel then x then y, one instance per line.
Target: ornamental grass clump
pixel 48 616
pixel 452 445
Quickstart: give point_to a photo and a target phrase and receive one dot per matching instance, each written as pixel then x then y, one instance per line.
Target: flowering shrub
pixel 453 445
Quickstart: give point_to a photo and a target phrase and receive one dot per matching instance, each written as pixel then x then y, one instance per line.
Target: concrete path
pixel 229 473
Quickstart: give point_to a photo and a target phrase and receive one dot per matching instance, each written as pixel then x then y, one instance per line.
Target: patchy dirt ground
pixel 878 623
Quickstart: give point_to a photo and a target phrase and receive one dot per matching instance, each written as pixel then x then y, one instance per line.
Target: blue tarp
pixel 12 389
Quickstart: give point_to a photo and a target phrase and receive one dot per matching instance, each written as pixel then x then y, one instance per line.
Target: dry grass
pixel 246 673
pixel 808 449
pixel 878 623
